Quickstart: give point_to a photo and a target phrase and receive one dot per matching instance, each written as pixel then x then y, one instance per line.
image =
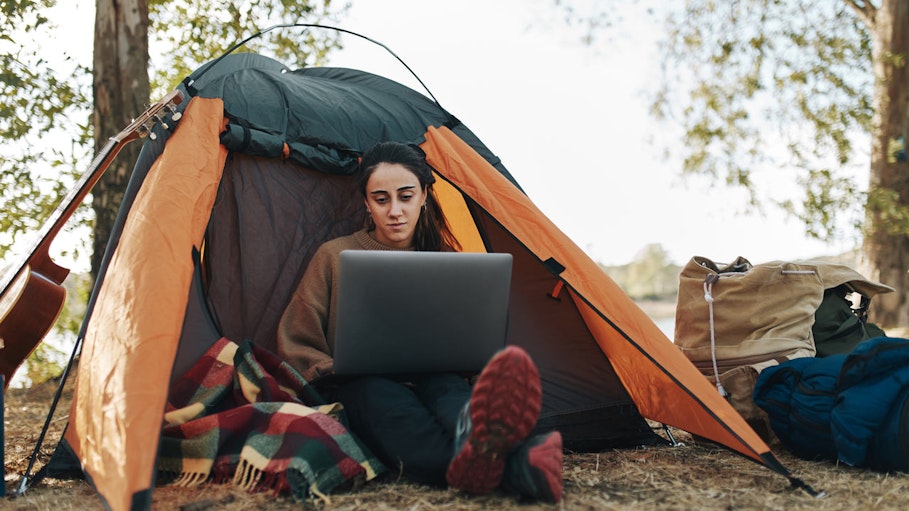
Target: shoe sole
pixel 504 407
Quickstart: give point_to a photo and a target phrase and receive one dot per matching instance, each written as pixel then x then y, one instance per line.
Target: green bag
pixel 838 327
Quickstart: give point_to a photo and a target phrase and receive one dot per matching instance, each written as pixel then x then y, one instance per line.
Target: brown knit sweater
pixel 306 330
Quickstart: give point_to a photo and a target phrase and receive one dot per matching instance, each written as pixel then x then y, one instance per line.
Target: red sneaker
pixel 534 469
pixel 503 409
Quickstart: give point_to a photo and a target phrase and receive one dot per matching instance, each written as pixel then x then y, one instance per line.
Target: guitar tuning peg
pixel 174 114
pixel 159 119
pixel 152 136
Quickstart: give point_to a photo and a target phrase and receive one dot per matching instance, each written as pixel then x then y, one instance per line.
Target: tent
pixel 226 206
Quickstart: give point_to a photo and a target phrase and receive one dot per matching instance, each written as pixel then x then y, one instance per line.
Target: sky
pixel 569 121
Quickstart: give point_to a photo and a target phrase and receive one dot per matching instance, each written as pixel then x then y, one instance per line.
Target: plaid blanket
pixel 241 414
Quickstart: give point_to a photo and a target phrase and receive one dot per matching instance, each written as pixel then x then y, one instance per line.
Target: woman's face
pixel 394 199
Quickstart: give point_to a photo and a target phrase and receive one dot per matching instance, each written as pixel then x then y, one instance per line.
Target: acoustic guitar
pixel 31 290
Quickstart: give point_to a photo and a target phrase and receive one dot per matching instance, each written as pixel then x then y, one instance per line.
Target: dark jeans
pixel 410 427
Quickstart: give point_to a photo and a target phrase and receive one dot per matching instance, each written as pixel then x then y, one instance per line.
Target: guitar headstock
pixel 157 113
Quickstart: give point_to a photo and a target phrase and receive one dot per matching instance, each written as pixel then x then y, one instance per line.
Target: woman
pixel 437 429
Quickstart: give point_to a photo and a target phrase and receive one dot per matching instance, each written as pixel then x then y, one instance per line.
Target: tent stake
pixel 672 440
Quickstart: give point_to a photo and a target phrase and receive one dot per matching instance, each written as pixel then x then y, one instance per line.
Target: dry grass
pixel 689 477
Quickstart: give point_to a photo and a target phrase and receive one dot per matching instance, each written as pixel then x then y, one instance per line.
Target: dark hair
pixel 432 232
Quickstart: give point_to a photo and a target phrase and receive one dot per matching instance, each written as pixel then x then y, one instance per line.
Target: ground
pixel 688 477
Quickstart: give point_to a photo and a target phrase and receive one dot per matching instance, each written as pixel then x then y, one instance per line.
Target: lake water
pixel 667 325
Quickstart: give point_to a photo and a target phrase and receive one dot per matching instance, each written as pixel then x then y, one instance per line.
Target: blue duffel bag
pixel 852 407
pixel 798 396
pixel 870 420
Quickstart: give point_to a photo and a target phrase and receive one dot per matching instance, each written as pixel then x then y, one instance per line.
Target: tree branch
pixel 866 12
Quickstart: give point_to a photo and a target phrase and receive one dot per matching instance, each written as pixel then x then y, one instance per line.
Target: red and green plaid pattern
pixel 243 415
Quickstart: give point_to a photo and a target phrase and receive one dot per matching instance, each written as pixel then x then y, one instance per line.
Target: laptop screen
pixel 404 312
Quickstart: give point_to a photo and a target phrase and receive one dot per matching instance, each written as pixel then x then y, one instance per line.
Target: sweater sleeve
pixel 302 332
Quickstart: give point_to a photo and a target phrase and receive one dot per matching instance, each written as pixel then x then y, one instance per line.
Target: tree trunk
pixel 886 252
pixel 121 92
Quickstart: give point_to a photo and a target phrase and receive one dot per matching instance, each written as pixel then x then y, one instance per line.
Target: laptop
pixel 405 313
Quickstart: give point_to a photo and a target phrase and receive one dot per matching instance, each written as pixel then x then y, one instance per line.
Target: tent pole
pixel 24 483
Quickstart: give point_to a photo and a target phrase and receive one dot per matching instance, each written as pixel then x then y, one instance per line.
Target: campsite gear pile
pixel 735 320
pixel 849 407
pixel 225 207
pixel 242 415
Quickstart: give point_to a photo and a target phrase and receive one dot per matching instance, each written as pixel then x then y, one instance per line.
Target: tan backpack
pixel 734 320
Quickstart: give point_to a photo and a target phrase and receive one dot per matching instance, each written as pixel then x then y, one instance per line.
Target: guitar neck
pixel 65 209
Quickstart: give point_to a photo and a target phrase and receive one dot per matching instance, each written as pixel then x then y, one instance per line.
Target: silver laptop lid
pixel 420 312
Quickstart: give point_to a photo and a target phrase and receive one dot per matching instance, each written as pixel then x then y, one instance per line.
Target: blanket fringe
pixel 244 475
pixel 247 476
pixel 314 491
pixel 187 479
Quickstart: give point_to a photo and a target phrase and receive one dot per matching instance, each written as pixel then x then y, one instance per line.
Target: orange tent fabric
pixel 129 347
